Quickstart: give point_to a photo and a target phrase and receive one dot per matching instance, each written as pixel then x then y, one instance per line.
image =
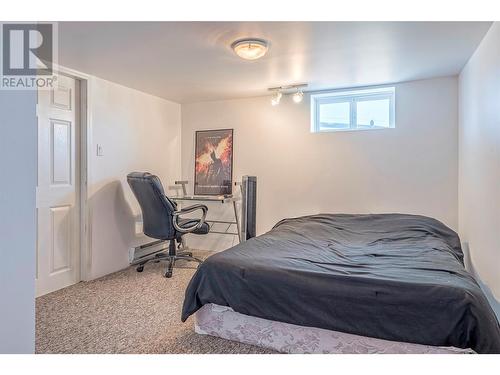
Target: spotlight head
pixel 275 99
pixel 298 96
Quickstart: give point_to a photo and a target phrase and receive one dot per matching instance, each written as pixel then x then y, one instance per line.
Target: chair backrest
pixel 156 208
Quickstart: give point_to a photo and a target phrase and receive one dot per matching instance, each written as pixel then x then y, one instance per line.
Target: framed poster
pixel 213 170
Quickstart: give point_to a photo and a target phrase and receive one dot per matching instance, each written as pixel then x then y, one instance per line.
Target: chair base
pixel 170 258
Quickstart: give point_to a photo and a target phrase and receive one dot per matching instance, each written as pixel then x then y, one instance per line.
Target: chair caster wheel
pixel 140 269
pixel 168 274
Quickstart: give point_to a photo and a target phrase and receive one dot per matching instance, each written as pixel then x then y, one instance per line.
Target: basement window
pixel 363 109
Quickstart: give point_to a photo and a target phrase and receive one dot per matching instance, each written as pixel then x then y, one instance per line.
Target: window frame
pixel 352 96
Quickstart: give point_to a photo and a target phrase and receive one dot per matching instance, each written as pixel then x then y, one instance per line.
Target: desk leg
pixel 183 246
pixel 237 221
pixel 183 249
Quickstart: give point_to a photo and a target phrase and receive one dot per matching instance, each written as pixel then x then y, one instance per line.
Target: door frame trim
pixel 85 144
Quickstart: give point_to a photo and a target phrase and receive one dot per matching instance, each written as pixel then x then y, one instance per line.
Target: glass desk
pixel 206 198
pixel 216 198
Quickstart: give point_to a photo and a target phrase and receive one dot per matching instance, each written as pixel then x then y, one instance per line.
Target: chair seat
pixel 186 223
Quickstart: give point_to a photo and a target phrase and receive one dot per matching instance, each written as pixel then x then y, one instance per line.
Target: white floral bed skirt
pixel 224 322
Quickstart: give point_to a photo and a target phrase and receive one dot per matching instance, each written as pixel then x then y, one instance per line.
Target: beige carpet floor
pixel 125 312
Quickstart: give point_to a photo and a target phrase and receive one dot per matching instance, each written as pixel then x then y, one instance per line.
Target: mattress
pixel 224 322
pixel 394 277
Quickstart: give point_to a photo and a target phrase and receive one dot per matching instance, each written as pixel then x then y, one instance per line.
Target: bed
pixel 395 278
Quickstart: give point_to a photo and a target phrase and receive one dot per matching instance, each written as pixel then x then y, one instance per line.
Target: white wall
pixel 138 132
pixel 410 169
pixel 479 162
pixel 18 166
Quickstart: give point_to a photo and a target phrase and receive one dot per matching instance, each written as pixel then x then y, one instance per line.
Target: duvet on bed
pixel 395 277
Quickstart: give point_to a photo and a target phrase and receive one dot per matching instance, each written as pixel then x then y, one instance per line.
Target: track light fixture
pixel 297 96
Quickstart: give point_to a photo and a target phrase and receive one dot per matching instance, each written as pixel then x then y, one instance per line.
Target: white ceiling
pixel 192 61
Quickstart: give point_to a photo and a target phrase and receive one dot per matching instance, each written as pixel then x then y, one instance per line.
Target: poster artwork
pixel 213 162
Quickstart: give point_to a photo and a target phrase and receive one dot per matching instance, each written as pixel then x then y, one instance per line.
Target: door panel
pixel 60 259
pixel 58 256
pixel 61 152
pixel 62 97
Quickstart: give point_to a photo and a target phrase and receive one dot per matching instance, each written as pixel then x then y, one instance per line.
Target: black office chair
pixel 161 219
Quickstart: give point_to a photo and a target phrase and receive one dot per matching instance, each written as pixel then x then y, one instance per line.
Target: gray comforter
pixel 392 276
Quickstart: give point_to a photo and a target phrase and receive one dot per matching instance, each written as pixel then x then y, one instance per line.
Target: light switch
pixel 100 151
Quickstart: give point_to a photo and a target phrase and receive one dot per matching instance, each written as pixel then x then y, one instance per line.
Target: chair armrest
pixel 188 210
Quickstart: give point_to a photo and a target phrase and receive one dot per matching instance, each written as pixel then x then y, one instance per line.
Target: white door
pixel 58 256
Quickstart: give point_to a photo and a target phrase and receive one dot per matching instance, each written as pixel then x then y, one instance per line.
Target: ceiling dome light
pixel 250 49
pixel 298 96
pixel 275 100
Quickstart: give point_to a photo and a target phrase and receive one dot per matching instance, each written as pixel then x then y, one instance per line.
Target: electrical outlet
pixel 100 151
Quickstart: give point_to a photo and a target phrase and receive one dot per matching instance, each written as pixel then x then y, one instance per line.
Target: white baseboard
pixel 136 253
